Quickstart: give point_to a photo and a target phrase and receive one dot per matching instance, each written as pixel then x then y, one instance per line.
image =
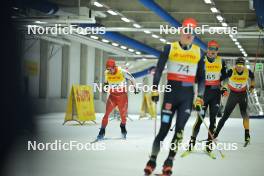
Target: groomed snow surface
pixel 128 157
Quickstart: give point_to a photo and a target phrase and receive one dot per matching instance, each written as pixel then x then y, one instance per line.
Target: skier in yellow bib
pixel 185 67
pixel 237 83
pixel 215 69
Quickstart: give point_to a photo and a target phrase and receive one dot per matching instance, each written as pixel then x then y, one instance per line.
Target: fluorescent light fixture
pixel 123 47
pixel 105 41
pixel 245 54
pixel 241 49
pixel 112 12
pixel 231 36
pixel 147 32
pixel 247 61
pixel 97 4
pixel 115 44
pixel 131 50
pixel 138 53
pixel 94 37
pixel 248 66
pixel 162 40
pixel 40 22
pixel 168 43
pixel 220 18
pixel 207 1
pixel 214 10
pixel 136 25
pixel 234 40
pixel 237 43
pixel 125 19
pixel 155 36
pixel 239 46
pixel 224 24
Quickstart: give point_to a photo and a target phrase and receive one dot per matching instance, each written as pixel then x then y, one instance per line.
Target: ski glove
pixel 224 92
pixel 198 104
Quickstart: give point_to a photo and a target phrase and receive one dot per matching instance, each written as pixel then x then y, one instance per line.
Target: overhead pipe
pixel 43 6
pixel 150 4
pixel 144 72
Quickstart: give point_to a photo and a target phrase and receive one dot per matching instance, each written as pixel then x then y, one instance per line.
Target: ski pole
pixel 155 122
pixel 210 134
pixel 173 127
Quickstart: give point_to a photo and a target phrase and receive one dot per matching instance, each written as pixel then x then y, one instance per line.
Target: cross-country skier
pixel 185 67
pixel 116 79
pixel 237 83
pixel 215 69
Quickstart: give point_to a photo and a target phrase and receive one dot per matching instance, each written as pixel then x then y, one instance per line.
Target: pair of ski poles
pixel 209 132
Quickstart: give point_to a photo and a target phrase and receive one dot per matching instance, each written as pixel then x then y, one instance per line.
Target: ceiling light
pixel 245 55
pixel 40 22
pixel 237 43
pixel 94 37
pixel 168 43
pixel 220 18
pixel 112 12
pixel 214 10
pixel 104 40
pixel 155 36
pixel 239 46
pixel 162 40
pixel 248 66
pixel 241 49
pixel 224 24
pixel 147 32
pixel 138 53
pixel 131 50
pixel 136 25
pixel 115 44
pixel 207 1
pixel 125 19
pixel 97 4
pixel 123 47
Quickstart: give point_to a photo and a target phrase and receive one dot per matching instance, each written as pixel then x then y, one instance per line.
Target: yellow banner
pixel 80 106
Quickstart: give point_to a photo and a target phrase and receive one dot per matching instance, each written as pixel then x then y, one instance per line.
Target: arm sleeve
pixel 223 71
pixel 129 77
pixel 229 73
pixel 251 75
pixel 160 65
pixel 200 76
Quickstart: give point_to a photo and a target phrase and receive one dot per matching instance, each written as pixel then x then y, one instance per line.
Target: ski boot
pixel 101 134
pixel 247 138
pixel 192 143
pixel 123 131
pixel 208 150
pixel 151 165
pixel 167 167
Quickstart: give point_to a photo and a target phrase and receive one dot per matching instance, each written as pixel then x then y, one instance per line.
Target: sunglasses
pixel 240 65
pixel 213 48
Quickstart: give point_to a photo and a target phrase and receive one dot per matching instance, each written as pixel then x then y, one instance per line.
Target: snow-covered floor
pixel 128 157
